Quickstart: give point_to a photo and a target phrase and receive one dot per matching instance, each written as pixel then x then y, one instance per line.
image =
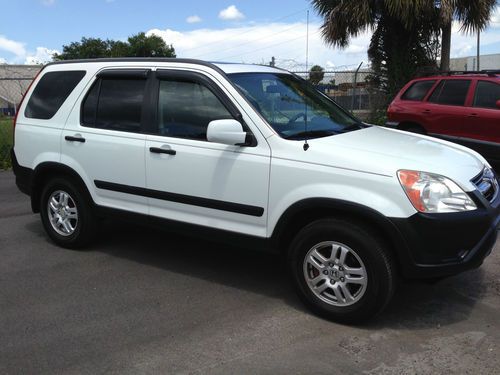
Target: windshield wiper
pixel 310 134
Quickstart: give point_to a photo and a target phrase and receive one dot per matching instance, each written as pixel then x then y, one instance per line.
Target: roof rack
pixel 491 73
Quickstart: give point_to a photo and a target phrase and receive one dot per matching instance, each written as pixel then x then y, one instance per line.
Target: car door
pixel 483 118
pixel 104 141
pixel 482 124
pixel 195 181
pixel 445 109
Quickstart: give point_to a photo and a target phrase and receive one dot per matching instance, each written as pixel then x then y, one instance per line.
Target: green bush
pixel 5 142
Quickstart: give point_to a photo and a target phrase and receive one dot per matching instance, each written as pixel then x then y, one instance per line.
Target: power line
pixel 247 31
pixel 252 41
pixel 272 45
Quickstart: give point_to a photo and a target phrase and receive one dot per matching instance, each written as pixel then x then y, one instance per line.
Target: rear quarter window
pixel 51 92
pixel 418 90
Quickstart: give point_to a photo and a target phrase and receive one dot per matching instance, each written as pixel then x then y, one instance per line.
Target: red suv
pixel 462 108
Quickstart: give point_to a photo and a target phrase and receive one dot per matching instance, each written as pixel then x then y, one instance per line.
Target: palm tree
pixel 473 16
pixel 344 19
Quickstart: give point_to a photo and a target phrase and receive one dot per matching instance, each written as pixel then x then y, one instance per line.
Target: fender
pixel 305 211
pixel 42 171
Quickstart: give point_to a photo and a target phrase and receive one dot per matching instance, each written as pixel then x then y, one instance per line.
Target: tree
pixel 316 74
pixel 473 16
pixel 138 45
pixel 141 45
pixel 400 34
pixel 344 19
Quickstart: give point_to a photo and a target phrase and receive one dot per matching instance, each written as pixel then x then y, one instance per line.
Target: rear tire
pixel 348 290
pixel 67 214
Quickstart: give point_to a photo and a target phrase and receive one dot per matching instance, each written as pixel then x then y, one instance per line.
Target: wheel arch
pixel 308 210
pixel 44 171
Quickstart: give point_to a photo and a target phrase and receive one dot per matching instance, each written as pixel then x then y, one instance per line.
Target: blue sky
pixel 235 30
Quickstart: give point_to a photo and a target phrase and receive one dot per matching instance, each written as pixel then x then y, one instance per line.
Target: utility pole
pixel 478 48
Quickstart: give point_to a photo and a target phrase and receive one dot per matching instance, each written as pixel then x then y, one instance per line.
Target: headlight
pixel 430 192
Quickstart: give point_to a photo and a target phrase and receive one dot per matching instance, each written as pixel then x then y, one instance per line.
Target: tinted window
pixel 487 94
pixel 51 92
pixel 418 90
pixel 115 104
pixel 185 109
pixel 451 92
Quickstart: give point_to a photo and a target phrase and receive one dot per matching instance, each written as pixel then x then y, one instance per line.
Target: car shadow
pixel 415 305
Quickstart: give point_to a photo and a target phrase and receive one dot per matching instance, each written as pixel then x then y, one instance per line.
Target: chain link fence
pixel 354 90
pixel 14 81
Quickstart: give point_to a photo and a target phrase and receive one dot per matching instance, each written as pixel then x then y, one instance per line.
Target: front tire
pixel 341 270
pixel 66 214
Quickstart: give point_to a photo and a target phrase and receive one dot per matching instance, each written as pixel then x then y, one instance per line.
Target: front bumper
pixel 438 245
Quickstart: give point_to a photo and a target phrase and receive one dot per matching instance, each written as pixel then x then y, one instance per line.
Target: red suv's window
pixel 450 92
pixel 487 94
pixel 418 90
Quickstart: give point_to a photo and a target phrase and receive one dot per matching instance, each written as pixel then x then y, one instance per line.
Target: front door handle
pixel 157 150
pixel 69 138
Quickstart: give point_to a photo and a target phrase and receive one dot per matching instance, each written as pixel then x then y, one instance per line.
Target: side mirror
pixel 228 132
pixel 498 103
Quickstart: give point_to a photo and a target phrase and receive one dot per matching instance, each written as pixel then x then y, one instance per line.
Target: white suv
pixel 258 157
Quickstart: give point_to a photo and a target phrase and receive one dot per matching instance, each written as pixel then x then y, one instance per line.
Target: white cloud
pixel 16 48
pixel 193 19
pixel 231 13
pixel 20 55
pixel 41 56
pixel 258 43
pixel 48 3
pixel 463 45
pixel 495 18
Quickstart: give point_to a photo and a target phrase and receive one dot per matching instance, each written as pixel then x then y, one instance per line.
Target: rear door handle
pixel 69 138
pixel 425 111
pixel 157 150
pixel 473 115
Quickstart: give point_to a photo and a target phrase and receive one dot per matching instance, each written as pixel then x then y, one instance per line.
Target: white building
pixel 469 63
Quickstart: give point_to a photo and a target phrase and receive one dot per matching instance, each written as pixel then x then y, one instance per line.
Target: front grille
pixel 487 184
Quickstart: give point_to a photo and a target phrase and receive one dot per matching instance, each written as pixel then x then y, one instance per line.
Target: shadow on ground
pixel 415 305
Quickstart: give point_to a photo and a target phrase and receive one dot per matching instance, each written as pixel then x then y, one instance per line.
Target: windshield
pixel 293 107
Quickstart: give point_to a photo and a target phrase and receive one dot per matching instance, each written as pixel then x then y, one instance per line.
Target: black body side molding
pixel 181 198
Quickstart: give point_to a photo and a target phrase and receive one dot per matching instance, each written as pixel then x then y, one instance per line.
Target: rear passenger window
pixel 487 94
pixel 115 104
pixel 51 92
pixel 418 90
pixel 185 109
pixel 450 92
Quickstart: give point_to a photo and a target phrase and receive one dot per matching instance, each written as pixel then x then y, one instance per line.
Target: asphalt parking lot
pixel 144 301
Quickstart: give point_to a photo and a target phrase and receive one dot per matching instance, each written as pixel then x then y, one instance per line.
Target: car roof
pixel 494 76
pixel 247 68
pixel 225 67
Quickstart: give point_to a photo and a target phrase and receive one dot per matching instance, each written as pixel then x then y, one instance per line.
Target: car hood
pixel 385 151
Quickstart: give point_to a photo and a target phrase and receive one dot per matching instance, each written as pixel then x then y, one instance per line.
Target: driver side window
pixel 185 108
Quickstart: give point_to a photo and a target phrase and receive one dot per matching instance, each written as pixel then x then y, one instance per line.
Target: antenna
pixel 306 145
pixel 307 42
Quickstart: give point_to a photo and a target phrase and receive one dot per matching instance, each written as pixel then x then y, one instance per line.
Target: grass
pixel 5 142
